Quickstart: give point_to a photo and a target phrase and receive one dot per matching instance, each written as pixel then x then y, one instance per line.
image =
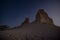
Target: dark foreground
pixel 32 32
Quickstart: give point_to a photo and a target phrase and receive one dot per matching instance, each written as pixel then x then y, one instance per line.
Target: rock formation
pixel 42 17
pixel 36 31
pixel 25 22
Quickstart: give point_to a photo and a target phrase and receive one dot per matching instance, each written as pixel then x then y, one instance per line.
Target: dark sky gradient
pixel 14 12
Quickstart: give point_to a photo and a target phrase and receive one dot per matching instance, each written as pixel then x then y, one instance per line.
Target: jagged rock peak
pixel 43 17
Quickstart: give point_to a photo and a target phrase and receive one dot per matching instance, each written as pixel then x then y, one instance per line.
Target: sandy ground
pixel 32 32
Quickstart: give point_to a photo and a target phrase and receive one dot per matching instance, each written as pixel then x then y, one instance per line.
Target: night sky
pixel 13 12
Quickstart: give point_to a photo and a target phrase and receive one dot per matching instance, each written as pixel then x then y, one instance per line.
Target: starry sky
pixel 13 12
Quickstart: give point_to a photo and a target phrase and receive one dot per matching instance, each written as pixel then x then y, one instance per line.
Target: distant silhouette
pixel 3 27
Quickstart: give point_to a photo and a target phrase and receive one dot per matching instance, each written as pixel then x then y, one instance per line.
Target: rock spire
pixel 42 17
pixel 26 21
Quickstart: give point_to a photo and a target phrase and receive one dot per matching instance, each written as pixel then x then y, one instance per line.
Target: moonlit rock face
pixel 32 32
pixel 43 17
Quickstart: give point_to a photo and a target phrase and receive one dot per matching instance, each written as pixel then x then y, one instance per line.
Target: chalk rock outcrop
pixel 25 22
pixel 42 17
